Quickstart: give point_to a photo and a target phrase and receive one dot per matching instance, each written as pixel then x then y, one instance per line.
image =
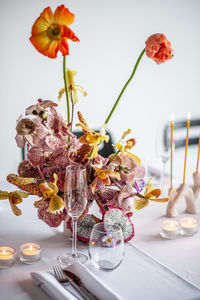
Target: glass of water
pixel 106 246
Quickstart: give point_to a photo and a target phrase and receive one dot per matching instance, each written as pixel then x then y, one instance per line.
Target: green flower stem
pixel 140 195
pixel 72 114
pixel 66 89
pixel 111 159
pixel 90 154
pixel 125 86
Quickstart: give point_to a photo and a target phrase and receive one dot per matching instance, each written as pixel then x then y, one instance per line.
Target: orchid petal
pixel 15 209
pixel 141 203
pixel 60 94
pixel 160 199
pixel 56 204
pixel 134 157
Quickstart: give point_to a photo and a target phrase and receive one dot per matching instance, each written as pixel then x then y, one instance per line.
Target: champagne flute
pixel 75 194
pixel 162 148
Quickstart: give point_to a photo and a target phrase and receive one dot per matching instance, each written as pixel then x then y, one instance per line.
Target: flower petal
pixel 63 46
pixel 56 204
pixel 68 33
pixel 63 16
pixel 156 192
pixel 43 21
pixel 81 89
pixel 70 76
pixel 53 49
pixel 158 48
pixel 60 94
pixel 15 209
pixel 41 42
pixel 160 199
pixel 140 203
pixel 20 141
pixel 114 174
pixel 83 140
pixel 134 157
pixel 93 185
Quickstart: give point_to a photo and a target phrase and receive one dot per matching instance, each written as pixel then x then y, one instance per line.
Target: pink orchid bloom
pixel 126 197
pixel 25 129
pixel 132 171
pixel 41 106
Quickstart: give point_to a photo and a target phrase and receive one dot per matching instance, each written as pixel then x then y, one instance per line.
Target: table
pixel 152 268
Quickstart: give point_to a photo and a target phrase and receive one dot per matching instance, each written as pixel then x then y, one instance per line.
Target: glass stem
pixel 162 176
pixel 74 223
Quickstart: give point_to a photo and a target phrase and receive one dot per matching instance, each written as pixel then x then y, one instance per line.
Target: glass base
pixel 69 259
pixel 105 265
pixel 169 236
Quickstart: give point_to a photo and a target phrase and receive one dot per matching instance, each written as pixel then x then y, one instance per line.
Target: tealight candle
pixel 7 256
pixel 189 226
pixel 30 253
pixel 170 229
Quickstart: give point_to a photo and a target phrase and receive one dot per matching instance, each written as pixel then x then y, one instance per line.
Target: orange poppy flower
pixel 158 48
pixel 50 32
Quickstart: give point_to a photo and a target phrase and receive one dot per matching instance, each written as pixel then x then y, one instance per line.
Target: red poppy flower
pixel 158 48
pixel 50 32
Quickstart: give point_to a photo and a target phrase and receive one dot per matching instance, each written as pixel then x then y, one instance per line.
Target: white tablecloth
pixel 153 268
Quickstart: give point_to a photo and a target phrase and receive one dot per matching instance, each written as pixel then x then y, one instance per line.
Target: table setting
pixel 77 225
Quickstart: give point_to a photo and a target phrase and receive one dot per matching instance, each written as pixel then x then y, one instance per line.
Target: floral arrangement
pixel 116 183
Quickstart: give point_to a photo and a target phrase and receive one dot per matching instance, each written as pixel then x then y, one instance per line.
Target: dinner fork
pixel 63 278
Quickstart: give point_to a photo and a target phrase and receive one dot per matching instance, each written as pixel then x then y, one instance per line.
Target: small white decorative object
pixel 183 191
pixel 172 204
pixel 189 226
pixel 30 253
pixel 170 229
pixel 7 256
pixel 196 186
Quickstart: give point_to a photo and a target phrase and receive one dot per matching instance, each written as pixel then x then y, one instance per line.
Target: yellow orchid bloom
pixel 14 198
pixel 92 138
pixel 151 194
pixel 123 145
pixel 103 175
pixel 50 191
pixel 72 87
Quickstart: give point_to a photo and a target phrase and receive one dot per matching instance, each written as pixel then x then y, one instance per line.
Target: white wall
pixel 112 34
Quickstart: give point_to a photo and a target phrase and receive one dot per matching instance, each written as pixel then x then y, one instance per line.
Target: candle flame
pixel 4 251
pixel 171 224
pixel 172 117
pixel 31 248
pixel 189 116
pixel 189 222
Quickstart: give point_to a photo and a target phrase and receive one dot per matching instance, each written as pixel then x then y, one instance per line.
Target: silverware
pixel 63 278
pixel 78 281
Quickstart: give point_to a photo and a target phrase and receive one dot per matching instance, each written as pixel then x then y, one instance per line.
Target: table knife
pixel 78 281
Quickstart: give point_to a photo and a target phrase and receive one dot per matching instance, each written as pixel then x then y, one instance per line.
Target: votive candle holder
pixel 7 257
pixel 170 229
pixel 30 253
pixel 189 226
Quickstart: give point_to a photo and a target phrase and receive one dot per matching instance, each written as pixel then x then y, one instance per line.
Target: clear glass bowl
pixel 106 246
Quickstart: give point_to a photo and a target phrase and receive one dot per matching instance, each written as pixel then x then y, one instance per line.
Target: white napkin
pixel 58 291
pixel 51 286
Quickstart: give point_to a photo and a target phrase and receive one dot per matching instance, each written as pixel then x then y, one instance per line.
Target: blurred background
pixel 112 34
